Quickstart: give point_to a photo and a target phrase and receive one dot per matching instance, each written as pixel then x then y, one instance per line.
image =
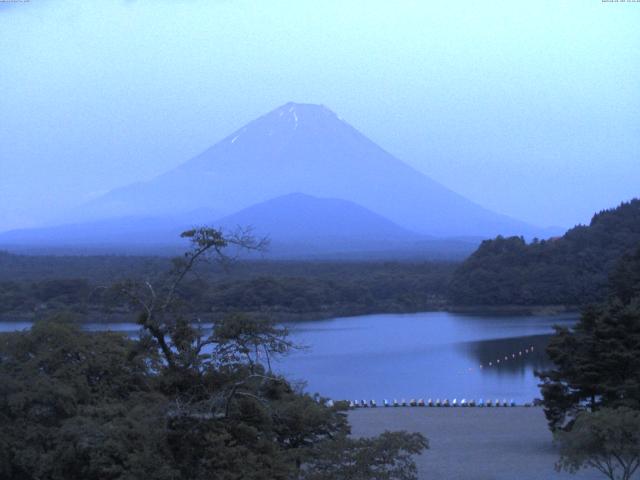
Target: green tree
pixel 177 402
pixel 76 405
pixel 568 270
pixel 387 457
pixel 625 278
pixel 596 363
pixel 607 440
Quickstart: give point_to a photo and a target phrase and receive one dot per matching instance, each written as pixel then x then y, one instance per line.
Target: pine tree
pixel 597 363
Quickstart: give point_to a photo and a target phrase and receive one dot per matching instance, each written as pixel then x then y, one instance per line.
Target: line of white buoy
pixel 506 358
pixel 454 403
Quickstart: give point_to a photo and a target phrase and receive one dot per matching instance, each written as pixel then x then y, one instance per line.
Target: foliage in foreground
pixel 607 440
pixel 592 396
pixel 597 363
pixel 177 403
pixel 386 457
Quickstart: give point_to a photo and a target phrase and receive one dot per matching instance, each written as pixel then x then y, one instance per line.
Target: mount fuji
pixel 308 149
pixel 300 174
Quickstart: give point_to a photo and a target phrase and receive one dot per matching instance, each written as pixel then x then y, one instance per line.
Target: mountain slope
pixel 294 222
pixel 302 217
pixel 298 226
pixel 306 148
pixel 572 269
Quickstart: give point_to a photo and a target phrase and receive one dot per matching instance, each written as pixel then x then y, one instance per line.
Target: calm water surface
pixel 422 355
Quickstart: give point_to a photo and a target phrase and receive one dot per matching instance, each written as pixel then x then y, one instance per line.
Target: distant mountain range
pixel 297 225
pixel 302 225
pixel 302 217
pixel 301 175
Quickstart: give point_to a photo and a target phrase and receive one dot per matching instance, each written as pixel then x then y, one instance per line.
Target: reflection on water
pixel 509 355
pixel 423 355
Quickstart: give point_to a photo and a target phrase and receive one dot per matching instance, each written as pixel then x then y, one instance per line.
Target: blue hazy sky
pixel 531 108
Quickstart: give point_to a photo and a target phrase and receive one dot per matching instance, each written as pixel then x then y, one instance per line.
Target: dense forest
pixel 571 270
pixel 42 285
pixel 175 403
pixel 568 270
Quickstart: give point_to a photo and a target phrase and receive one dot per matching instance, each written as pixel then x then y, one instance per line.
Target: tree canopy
pixel 597 363
pixel 607 440
pixel 177 402
pixel 569 270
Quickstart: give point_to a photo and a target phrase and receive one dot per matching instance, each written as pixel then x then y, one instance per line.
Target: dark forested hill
pixel 571 270
pixel 37 286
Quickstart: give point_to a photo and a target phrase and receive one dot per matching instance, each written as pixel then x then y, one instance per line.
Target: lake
pixel 421 355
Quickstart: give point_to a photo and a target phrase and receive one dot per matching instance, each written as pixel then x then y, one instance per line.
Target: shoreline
pixel 514 309
pixel 294 317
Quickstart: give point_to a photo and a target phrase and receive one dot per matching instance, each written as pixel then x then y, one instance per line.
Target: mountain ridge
pixel 300 216
pixel 298 225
